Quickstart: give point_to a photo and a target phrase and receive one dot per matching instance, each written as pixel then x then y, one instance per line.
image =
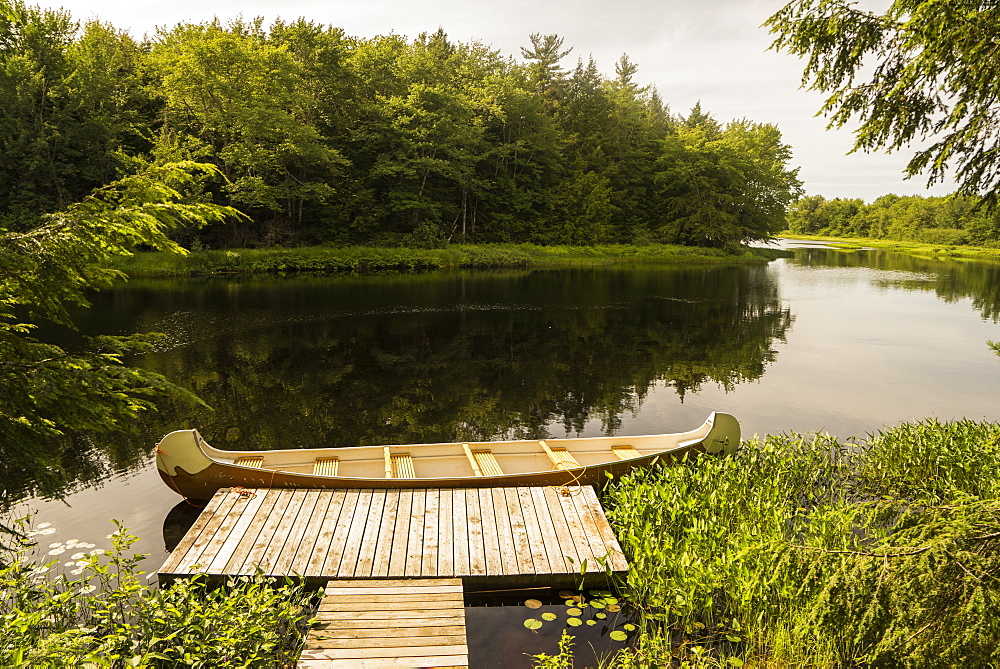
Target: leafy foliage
pixel 935 77
pixel 319 137
pixel 101 612
pixel 801 550
pixel 46 389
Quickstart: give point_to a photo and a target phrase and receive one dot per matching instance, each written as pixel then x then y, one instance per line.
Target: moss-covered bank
pixel 375 259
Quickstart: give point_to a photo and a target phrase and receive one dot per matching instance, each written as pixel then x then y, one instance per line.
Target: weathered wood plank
pixel 266 534
pixel 597 547
pixel 382 551
pixel 243 513
pixel 317 642
pixel 431 540
pixel 393 582
pixel 378 606
pixel 352 544
pixel 361 663
pixel 477 556
pixel 522 547
pixel 349 620
pixel 506 549
pixel 289 520
pixel 569 556
pixel 460 533
pixel 365 632
pixel 588 501
pixel 253 530
pixel 397 556
pixel 446 538
pixel 415 540
pixel 328 525
pixel 307 545
pixel 395 651
pixel 557 561
pixel 369 539
pixel 534 530
pixel 491 548
pixel 392 617
pixel 572 522
pixel 195 559
pixel 335 550
pixel 192 535
pixel 298 529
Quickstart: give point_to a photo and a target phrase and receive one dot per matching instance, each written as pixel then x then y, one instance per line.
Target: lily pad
pixel 574 612
pixel 614 608
pixel 602 615
pixel 574 622
pixel 597 603
pixel 549 616
pixel 532 623
pixel 533 604
pixel 566 594
pixel 628 627
pixel 610 600
pixel 591 622
pixel 618 635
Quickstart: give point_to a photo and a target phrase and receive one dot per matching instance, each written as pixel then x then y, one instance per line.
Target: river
pixel 825 340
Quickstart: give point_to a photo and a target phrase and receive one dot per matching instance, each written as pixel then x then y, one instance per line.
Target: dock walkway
pixel 408 623
pixel 488 537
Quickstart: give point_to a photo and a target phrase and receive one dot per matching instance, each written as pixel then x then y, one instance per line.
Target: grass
pixel 802 550
pixel 912 248
pixel 372 259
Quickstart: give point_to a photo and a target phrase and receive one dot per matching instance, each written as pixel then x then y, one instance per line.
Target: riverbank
pixel 322 259
pixel 911 248
pixel 800 550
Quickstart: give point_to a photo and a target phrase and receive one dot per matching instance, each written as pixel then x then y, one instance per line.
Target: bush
pixel 95 608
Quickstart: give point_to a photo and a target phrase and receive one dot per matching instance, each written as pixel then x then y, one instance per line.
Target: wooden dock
pixel 409 623
pixel 487 537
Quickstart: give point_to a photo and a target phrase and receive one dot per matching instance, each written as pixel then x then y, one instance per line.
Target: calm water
pixel 826 340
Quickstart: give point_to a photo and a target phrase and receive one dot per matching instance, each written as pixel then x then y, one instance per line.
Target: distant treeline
pixel 950 220
pixel 321 137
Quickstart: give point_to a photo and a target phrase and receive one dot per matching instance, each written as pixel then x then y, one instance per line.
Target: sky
pixel 712 51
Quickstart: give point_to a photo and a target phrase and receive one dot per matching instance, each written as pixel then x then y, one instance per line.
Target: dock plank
pixel 258 549
pixel 335 549
pixel 327 527
pixel 369 539
pixel 191 537
pixel 397 554
pixel 415 538
pixel 477 553
pixel 460 533
pixel 566 550
pixel 492 552
pixel 587 501
pixel 534 530
pixel 307 544
pixel 431 539
pixel 522 547
pixel 446 538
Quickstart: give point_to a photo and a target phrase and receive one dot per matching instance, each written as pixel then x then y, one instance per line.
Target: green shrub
pixel 96 608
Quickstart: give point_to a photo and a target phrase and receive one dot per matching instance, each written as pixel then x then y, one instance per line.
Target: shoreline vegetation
pixel 799 550
pixel 922 249
pixel 324 259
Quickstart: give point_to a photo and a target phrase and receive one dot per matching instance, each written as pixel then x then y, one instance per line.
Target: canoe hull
pixel 207 482
pixel 194 470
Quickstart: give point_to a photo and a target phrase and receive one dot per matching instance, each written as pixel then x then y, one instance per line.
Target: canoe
pixel 195 470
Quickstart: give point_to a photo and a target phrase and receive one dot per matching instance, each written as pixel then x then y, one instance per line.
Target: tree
pixel 936 77
pixel 48 391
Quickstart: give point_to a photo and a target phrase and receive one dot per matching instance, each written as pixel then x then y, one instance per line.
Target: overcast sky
pixel 708 50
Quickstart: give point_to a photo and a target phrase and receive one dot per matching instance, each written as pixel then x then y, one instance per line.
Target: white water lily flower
pixel 57 551
pixel 77 556
pixel 86 545
pixel 71 563
pixel 97 551
pixel 50 530
pixel 42 526
pixel 82 563
pixel 77 572
pixel 87 589
pixel 57 544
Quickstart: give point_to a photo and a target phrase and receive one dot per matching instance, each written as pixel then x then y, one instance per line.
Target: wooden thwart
pixel 380 635
pixel 625 452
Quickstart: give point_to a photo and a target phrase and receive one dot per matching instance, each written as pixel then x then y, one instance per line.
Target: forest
pixel 319 137
pixel 953 220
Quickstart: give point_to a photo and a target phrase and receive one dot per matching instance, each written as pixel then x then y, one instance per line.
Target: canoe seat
pixel 562 459
pixel 625 452
pixel 326 466
pixel 402 466
pixel 253 461
pixel 487 462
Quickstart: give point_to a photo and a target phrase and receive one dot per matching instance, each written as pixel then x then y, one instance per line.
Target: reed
pixel 807 551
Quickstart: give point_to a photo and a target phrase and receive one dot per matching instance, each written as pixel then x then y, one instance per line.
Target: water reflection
pixel 951 280
pixel 340 361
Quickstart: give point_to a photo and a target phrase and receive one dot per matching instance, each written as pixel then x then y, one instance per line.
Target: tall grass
pixel 804 551
pixel 375 259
